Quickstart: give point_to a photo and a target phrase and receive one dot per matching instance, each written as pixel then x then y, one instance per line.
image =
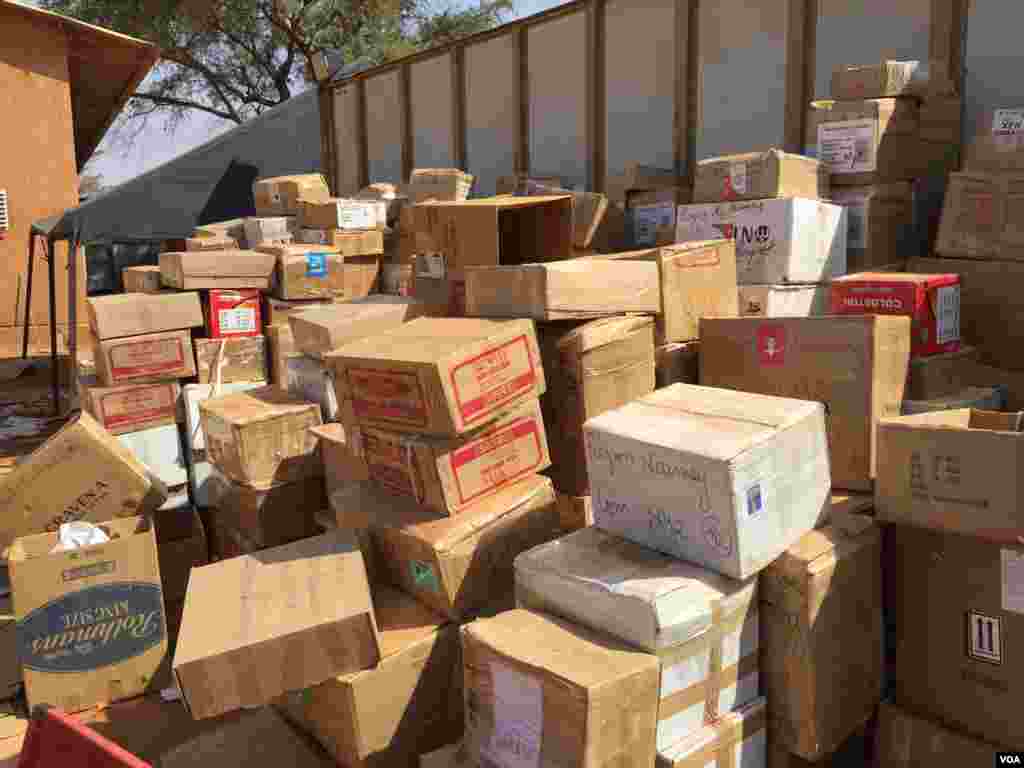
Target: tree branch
pixel 170 101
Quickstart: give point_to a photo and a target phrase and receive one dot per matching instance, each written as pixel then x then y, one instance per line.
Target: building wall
pixel 37 160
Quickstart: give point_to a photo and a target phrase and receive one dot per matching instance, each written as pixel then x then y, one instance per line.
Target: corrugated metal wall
pixel 584 89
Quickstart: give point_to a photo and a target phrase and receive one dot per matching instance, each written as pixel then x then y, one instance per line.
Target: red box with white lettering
pixel 233 313
pixel 932 302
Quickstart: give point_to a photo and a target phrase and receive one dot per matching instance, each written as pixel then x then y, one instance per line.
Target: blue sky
pixel 121 160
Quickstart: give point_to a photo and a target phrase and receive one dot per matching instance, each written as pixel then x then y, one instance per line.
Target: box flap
pixel 255 405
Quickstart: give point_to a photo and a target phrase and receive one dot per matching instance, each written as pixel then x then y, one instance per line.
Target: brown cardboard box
pixel 821 625
pixel 737 738
pixel 980 217
pixel 941 375
pixel 277 311
pixel 91 625
pixel 397 279
pixel 589 209
pixel 233 228
pixel 411 702
pixel 576 512
pixel 268 517
pixel 545 692
pixel 217 269
pixel 226 542
pixel 857 366
pixel 997 147
pixel 959 608
pixel 457 565
pixel 261 437
pixel 131 407
pixel 563 290
pixel 677 363
pixel 880 220
pixel 175 519
pixel 272 230
pixel 342 213
pixel 878 81
pixel 758 175
pixel 446 184
pixel 449 475
pixel 346 242
pixel 282 348
pixel 280 620
pixel 210 244
pixel 147 358
pixel 937 470
pixel 280 195
pixel 636 177
pixel 177 558
pixel 516 182
pixel 698 280
pixel 942 119
pixel 874 140
pixel 141 279
pixel 319 331
pixel 590 368
pixel 439 376
pixel 133 314
pixel 361 276
pixel 991 313
pixel 244 359
pixel 10 665
pixel 307 271
pixel 905 741
pixel 445 298
pixel 342 465
pixel 81 473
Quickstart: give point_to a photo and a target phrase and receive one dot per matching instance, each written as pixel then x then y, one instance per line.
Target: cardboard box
pixel 310 380
pixel 653 224
pixel 588 209
pixel 135 314
pixel 880 224
pixel 10 665
pixel 345 242
pixel 397 279
pixel 821 625
pixel 147 358
pixel 449 475
pixel 174 519
pixel 210 243
pixel 261 438
pixel 998 143
pixel 936 470
pixel 874 140
pixel 319 331
pixel 361 275
pixel 575 512
pixel 440 376
pixel 249 620
pixel 542 691
pixel 703 628
pixel 791 240
pixel 990 308
pixel 677 363
pixel 941 375
pixel 445 298
pixel 959 608
pixel 979 219
pixel 886 79
pixel 783 300
pixel 451 756
pixel 458 564
pixel 905 740
pixel 637 177
pixel 281 194
pixel 942 119
pixel 342 465
pixel 340 213
pixel 282 349
pixel 192 396
pixel 277 311
pixel 244 359
pixel 276 230
pixel 272 516
pixel 516 182
pixel 737 739
pixel 698 279
pixel 160 450
pixel 217 269
pixel 233 228
pixel 104 480
pixel 131 407
pixel 141 279
pixel 590 368
pixel 307 271
pixel 444 184
pixel 932 302
pixel 91 626
pixel 759 175
pixel 411 702
pixel 664 472
pixel 980 398
pixel 802 357
pixel 178 558
pixel 233 313
pixel 572 289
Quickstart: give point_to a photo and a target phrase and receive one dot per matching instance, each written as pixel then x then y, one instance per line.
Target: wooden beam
pixel 680 104
pixel 801 33
pixel 458 70
pixel 405 119
pixel 947 32
pixel 597 95
pixel 694 86
pixel 328 138
pixel 523 100
pixel 362 134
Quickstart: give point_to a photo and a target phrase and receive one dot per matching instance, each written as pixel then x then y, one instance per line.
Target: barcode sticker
pixel 353 215
pixel 238 320
pixel 985 637
pixel 518 717
pixel 847 146
pixel 1013 581
pixel 755 500
pixel 947 314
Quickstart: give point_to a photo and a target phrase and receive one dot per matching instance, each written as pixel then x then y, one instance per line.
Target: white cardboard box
pixel 783 300
pixel 782 240
pixel 310 379
pixel 686 615
pixel 159 448
pixel 739 739
pixel 725 479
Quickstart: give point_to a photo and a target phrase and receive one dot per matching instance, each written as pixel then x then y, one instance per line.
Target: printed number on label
pixel 985 637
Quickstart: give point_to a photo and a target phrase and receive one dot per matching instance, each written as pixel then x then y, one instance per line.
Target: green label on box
pixel 423 576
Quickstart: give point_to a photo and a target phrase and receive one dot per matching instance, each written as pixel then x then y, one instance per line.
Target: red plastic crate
pixel 57 740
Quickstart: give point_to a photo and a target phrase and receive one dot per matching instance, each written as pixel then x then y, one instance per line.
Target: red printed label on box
pixel 771 344
pixel 234 313
pixel 493 378
pixel 393 464
pixel 139 405
pixel 387 396
pixel 147 358
pixel 497 459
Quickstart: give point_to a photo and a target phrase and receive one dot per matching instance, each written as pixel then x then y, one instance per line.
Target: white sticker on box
pixel 1013 581
pixel 647 219
pixel 1008 122
pixel 985 637
pixel 518 718
pixel 847 146
pixel 947 314
pixel 696 223
pixel 238 320
pixel 738 175
pixel 356 216
pixel 430 265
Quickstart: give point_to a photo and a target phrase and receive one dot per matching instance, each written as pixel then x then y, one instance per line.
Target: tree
pixel 236 58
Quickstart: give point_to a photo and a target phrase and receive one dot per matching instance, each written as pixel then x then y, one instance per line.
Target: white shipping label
pixel 237 320
pixel 947 314
pixel 1013 581
pixel 738 175
pixel 356 216
pixel 518 718
pixel 847 146
pixel 758 230
pixel 648 219
pixel 1008 122
pixel 431 265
